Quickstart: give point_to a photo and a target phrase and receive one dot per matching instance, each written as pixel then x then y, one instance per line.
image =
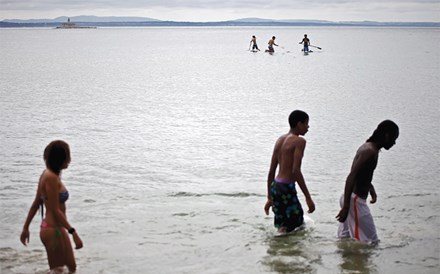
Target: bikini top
pixel 63 196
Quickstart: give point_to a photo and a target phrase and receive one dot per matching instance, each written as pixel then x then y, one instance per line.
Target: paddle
pixel 282 47
pixel 315 47
pixel 286 51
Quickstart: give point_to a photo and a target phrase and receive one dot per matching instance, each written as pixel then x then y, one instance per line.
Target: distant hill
pixel 115 21
pixel 260 20
pixel 311 22
pixel 253 20
pixel 305 21
pixel 82 18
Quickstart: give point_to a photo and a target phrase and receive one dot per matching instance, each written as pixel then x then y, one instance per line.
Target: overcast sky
pixel 219 10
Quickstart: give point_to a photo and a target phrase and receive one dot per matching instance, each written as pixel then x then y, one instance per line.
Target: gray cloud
pixel 385 10
pixel 202 4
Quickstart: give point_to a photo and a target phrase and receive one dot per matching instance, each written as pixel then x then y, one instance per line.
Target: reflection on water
pixel 294 253
pixel 356 257
pixel 15 261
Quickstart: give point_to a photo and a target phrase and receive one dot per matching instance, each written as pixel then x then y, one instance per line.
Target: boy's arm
pixel 271 174
pixel 297 159
pixel 271 177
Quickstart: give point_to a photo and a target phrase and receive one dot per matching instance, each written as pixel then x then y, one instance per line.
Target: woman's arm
pixel 24 237
pixel 52 184
pixel 52 187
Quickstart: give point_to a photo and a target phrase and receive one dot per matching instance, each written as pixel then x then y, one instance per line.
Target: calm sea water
pixel 172 130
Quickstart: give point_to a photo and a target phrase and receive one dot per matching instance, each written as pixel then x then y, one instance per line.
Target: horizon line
pixel 215 21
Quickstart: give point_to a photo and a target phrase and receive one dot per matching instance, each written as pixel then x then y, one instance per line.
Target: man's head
pixel 385 134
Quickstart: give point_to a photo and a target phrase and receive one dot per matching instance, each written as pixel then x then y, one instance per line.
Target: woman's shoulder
pixel 49 177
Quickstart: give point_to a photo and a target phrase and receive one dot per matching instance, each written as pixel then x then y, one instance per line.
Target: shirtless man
pixel 355 218
pixel 271 43
pixel 281 192
pixel 306 43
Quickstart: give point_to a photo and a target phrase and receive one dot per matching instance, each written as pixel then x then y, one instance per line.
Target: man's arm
pixel 373 194
pixel 362 158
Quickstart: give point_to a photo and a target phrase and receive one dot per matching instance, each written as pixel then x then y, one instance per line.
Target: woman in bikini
pixel 52 195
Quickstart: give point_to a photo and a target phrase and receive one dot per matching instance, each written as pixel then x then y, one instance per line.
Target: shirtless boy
pixel 254 43
pixel 270 44
pixel 281 191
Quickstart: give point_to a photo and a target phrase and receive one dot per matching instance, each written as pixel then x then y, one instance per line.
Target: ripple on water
pixel 232 194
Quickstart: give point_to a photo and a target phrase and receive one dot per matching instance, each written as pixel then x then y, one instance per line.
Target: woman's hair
pixel 56 154
pixel 297 116
pixel 384 128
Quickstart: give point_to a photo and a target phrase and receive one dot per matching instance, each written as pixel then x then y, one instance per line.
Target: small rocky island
pixel 70 25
